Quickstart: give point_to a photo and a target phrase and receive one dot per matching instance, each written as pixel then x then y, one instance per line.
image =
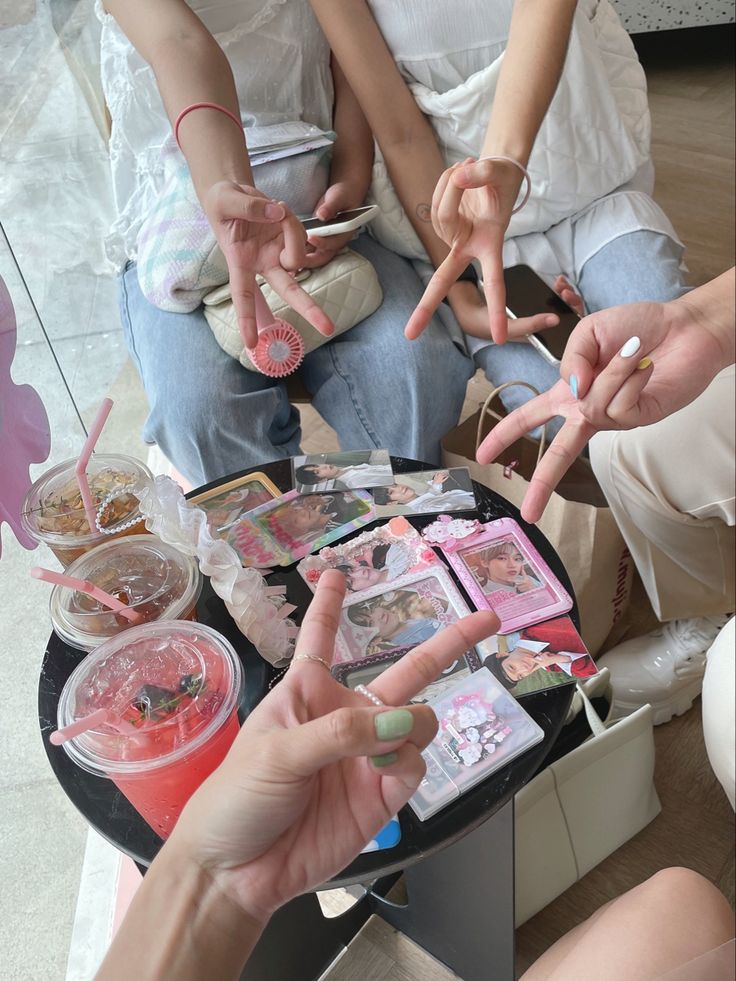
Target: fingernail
pixel 551 320
pixel 386 760
pixel 274 211
pixel 630 347
pixel 574 385
pixel 644 363
pixel 394 724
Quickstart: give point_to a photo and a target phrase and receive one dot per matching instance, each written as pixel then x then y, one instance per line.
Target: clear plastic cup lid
pixel 149 576
pixel 168 687
pixel 53 511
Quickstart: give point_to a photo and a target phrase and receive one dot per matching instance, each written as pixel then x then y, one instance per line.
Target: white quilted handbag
pixel 347 289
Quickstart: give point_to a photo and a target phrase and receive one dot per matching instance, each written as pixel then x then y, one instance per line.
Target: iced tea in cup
pixel 155 579
pixel 171 690
pixel 53 511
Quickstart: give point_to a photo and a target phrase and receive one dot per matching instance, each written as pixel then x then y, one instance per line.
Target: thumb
pixel 332 201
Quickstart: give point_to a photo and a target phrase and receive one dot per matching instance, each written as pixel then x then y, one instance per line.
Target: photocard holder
pixel 481 730
pixel 502 571
pixel 376 557
pixel 406 613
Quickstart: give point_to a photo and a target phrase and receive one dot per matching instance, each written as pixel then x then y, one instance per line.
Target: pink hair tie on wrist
pixel 527 178
pixel 203 105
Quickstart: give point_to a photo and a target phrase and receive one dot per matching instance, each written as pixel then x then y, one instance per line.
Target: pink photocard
pixel 502 571
pixel 374 558
pixel 406 613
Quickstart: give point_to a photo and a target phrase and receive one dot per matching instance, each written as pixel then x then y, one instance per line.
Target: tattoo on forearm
pixel 424 212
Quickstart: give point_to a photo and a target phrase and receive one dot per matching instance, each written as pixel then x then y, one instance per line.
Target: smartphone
pixel 528 294
pixel 343 221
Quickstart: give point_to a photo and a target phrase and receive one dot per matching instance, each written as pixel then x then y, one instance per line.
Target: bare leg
pixel 672 918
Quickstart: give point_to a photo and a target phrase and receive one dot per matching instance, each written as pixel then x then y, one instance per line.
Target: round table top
pixel 109 812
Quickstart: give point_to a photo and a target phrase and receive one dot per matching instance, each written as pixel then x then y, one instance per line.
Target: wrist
pixel 713 314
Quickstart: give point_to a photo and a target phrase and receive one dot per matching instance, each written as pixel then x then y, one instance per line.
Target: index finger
pixel 444 278
pixel 420 667
pixel 494 288
pixel 559 457
pixel 319 627
pixel 521 421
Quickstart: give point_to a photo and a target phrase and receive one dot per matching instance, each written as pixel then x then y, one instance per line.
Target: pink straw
pixel 87 587
pixel 84 457
pixel 100 717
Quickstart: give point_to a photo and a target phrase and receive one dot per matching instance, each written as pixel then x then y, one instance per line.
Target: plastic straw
pixel 84 457
pixel 89 588
pixel 100 717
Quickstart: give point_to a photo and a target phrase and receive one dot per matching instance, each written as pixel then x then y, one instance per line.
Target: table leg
pixel 461 902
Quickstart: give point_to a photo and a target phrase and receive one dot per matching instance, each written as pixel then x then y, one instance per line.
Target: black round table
pixel 116 820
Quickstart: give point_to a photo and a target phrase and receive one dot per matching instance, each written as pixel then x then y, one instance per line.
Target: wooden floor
pixel 691 84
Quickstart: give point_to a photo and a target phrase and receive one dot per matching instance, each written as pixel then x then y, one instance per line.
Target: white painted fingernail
pixel 630 347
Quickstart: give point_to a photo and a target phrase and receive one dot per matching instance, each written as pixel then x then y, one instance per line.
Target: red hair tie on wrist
pixel 203 105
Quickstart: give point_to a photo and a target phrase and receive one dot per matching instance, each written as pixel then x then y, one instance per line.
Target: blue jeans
pixel 639 266
pixel 211 416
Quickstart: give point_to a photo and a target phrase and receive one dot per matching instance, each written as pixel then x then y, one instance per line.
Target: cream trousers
pixel 671 489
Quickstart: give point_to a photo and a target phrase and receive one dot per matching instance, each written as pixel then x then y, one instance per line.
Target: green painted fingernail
pixel 386 760
pixel 394 724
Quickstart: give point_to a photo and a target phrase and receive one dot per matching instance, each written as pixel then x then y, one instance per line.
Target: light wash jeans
pixel 639 266
pixel 211 416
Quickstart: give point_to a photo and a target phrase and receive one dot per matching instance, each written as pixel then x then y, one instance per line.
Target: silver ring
pixel 311 657
pixel 370 695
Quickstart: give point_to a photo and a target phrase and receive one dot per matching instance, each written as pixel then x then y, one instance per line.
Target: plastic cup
pixel 155 579
pixel 53 512
pixel 172 689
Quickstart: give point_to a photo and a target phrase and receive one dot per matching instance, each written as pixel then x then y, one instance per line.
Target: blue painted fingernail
pixel 574 385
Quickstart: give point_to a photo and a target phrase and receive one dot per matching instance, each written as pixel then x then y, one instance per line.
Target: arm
pixel 350 168
pixel 411 154
pixel 678 349
pixel 255 234
pixel 260 830
pixel 473 201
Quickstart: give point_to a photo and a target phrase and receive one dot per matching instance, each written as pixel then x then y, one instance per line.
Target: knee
pixel 719 710
pixel 691 892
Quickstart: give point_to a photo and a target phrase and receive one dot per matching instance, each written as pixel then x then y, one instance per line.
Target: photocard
pixel 544 656
pixel 351 470
pixel 352 673
pixel 502 571
pixel 289 527
pixel 374 558
pixel 226 504
pixel 426 492
pixel 413 609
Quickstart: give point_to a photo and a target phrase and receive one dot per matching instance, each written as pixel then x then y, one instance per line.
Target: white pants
pixel 671 489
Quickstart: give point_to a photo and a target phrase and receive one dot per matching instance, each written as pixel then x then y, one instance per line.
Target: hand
pixel 308 781
pixel 337 197
pixel 469 306
pixel 568 295
pixel 441 476
pixel 471 209
pixel 614 392
pixel 258 235
pixel 524 585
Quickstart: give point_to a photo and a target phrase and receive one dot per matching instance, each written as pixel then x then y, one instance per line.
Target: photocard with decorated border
pixel 426 492
pixel 544 656
pixel 289 527
pixel 502 571
pixel 226 504
pixel 341 471
pixel 405 613
pixel 352 673
pixel 376 557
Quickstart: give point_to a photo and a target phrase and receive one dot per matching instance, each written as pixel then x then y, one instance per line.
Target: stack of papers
pixel 267 143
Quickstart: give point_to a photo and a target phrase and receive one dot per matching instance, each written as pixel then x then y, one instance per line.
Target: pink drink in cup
pixel 172 691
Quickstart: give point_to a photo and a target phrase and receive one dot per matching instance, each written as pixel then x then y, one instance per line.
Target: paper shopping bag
pixel 577 520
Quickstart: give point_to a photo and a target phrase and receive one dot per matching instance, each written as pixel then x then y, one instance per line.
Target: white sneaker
pixel 663 668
